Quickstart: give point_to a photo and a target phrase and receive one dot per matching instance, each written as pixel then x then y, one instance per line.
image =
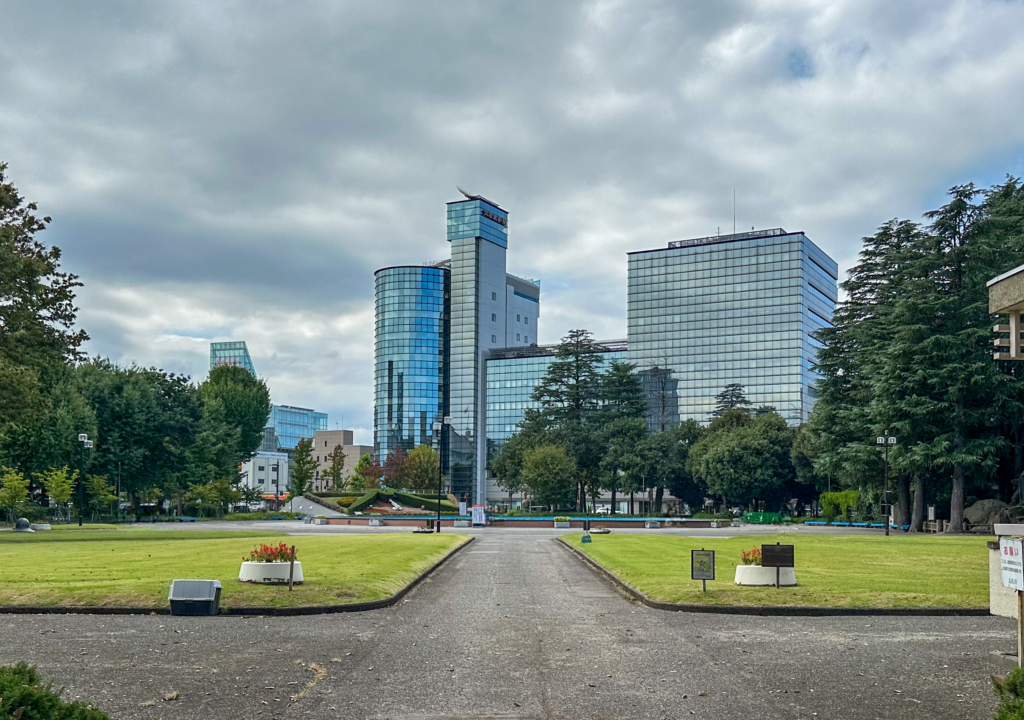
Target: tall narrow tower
pixel 478 232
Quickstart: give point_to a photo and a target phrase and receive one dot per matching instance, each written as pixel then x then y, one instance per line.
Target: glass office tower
pixel 231 353
pixel 728 309
pixel 288 425
pixel 410 356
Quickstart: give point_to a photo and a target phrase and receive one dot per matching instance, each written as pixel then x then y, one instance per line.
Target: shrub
pixel 835 504
pixel 751 556
pixel 562 518
pixel 26 695
pixel 270 553
pixel 1010 691
pixel 424 503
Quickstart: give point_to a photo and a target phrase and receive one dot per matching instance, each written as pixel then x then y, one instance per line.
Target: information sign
pixel 702 564
pixel 479 516
pixel 1011 562
pixel 777 556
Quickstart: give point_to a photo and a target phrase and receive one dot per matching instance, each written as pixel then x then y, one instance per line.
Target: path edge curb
pixel 268 611
pixel 775 610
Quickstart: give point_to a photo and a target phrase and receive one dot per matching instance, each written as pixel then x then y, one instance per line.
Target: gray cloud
pixel 237 170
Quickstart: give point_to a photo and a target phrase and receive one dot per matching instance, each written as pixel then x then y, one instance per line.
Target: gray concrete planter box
pixel 652 525
pixel 461 523
pixel 562 524
pixel 376 522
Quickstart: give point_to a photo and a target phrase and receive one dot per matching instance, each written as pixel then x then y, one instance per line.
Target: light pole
pixel 439 429
pixel 86 445
pixel 277 485
pixel 885 441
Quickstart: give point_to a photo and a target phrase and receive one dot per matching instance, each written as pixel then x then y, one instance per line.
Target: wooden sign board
pixel 777 556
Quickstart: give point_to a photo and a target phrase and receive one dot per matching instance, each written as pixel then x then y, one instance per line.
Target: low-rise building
pixel 268 473
pixel 324 443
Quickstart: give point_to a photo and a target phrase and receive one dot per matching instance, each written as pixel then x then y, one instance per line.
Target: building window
pixel 494 317
pixel 517 336
pixel 494 338
pixel 526 338
pixel 494 296
pixel 518 318
pixel 527 320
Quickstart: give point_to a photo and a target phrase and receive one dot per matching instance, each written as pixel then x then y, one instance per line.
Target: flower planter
pixel 268 573
pixel 562 524
pixel 461 523
pixel 755 575
pixel 376 522
pixel 652 524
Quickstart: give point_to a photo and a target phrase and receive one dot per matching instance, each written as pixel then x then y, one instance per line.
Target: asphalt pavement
pixel 515 626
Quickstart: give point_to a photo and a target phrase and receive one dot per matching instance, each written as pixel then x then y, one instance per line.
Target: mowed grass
pixel 831 571
pixel 131 567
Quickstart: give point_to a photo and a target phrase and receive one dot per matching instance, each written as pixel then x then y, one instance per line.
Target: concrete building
pixel 268 473
pixel 323 445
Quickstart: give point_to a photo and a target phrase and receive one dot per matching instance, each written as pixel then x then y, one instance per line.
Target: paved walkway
pixel 515 626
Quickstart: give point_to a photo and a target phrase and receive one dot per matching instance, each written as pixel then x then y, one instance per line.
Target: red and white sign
pixel 1011 562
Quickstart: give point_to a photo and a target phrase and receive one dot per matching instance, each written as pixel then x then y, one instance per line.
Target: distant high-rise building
pixel 731 309
pixel 291 424
pixel 435 327
pixel 231 353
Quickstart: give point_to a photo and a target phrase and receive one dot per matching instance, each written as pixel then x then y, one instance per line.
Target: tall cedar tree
pixel 731 396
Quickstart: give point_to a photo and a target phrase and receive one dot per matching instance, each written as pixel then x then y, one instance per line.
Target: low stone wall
pixel 575 523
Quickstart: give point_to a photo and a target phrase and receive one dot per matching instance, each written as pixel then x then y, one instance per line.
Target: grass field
pixel 129 566
pixel 835 571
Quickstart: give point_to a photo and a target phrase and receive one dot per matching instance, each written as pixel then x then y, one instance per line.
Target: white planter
pixel 560 524
pixel 461 523
pixel 760 576
pixel 376 522
pixel 268 573
pixel 652 524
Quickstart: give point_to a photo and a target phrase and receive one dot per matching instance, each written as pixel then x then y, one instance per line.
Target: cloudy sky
pixel 238 170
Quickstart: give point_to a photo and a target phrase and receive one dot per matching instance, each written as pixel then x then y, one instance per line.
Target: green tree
pixel 336 470
pixel 301 476
pixel 58 484
pixel 621 438
pixel 622 391
pixel 421 468
pixel 13 491
pixel 744 461
pixel 548 472
pixel 99 494
pixel 731 397
pixel 365 474
pixel 507 465
pixel 570 391
pixel 242 400
pixel 396 468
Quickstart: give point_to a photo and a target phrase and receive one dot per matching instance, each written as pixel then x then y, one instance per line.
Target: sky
pixel 238 170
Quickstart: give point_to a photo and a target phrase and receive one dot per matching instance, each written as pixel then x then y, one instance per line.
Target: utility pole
pixel 86 445
pixel 439 428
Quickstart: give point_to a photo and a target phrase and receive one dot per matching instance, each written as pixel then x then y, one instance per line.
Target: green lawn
pixel 135 567
pixel 843 571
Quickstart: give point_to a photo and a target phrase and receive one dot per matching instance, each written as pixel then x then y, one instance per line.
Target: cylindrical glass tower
pixel 410 356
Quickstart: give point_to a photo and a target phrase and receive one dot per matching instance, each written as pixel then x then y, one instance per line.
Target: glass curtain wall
pixel 231 353
pixel 737 309
pixel 410 357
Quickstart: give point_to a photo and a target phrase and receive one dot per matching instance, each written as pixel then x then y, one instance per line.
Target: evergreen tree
pixel 622 392
pixel 545 469
pixel 731 398
pixel 243 402
pixel 301 476
pixel 421 468
pixel 336 470
pixel 570 391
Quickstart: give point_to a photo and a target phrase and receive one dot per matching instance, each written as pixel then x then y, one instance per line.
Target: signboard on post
pixel 1011 562
pixel 702 566
pixel 777 556
pixel 479 516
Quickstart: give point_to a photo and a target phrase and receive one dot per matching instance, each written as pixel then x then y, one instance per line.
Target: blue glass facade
pixel 233 353
pixel 732 309
pixel 477 218
pixel 512 374
pixel 291 424
pixel 410 356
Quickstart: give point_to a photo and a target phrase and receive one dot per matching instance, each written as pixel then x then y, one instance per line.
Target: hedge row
pixel 25 694
pixel 330 505
pixel 424 503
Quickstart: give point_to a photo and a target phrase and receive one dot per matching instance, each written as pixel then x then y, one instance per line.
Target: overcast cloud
pixel 222 170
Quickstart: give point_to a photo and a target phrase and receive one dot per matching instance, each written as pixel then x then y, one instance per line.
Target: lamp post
pixel 86 445
pixel 885 441
pixel 277 485
pixel 439 429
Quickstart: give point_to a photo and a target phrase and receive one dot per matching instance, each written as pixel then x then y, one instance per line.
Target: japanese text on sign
pixel 702 564
pixel 1011 562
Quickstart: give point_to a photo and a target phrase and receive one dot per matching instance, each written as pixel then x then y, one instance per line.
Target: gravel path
pixel 515 626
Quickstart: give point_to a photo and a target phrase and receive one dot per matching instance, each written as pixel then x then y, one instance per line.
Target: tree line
pixel 910 352
pixel 591 433
pixel 157 436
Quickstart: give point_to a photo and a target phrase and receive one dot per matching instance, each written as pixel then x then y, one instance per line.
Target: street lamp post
pixel 277 485
pixel 86 445
pixel 885 441
pixel 439 429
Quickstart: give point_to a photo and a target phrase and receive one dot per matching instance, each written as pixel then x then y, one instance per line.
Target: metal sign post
pixel 702 566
